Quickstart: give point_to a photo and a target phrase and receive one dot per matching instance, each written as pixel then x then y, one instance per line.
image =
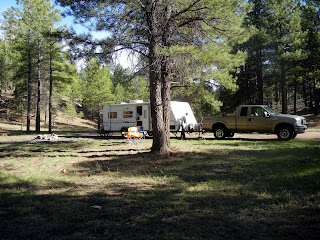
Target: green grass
pixel 232 189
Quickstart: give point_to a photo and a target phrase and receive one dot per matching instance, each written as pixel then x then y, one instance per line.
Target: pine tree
pixel 3 66
pixel 311 65
pixel 28 28
pixel 96 87
pixel 251 77
pixel 18 27
pixel 181 36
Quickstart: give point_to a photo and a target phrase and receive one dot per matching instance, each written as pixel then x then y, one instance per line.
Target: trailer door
pixel 145 117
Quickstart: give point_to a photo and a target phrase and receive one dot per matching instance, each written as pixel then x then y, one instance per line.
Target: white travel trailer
pixel 119 117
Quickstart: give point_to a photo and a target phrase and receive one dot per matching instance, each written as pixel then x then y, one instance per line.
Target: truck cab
pixel 255 118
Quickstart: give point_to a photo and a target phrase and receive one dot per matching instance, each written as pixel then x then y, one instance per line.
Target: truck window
pixel 257 112
pixel 112 115
pixel 127 114
pixel 244 112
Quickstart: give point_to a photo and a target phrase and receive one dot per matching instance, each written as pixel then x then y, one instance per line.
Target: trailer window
pixel 112 115
pixel 139 110
pixel 127 114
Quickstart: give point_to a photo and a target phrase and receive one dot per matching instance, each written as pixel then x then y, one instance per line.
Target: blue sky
pixel 5 4
pixel 121 57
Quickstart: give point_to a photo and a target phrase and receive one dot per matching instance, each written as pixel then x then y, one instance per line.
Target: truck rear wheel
pixel 285 133
pixel 220 132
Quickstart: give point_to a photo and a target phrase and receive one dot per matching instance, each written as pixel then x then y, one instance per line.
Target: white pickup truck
pixel 255 118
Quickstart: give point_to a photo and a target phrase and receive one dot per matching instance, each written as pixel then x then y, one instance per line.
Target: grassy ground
pixel 92 188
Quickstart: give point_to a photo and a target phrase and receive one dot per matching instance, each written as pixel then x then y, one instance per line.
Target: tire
pixel 284 133
pixel 220 132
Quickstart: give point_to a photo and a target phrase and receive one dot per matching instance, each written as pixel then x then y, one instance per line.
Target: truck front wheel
pixel 219 132
pixel 284 133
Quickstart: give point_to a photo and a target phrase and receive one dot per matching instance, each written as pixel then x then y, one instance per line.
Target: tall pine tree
pixel 193 34
pixel 28 27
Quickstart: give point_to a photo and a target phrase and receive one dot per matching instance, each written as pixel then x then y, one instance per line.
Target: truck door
pixel 145 117
pixel 242 119
pixel 257 121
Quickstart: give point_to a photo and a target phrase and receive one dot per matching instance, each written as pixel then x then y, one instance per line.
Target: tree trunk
pixel 159 84
pixel 160 140
pixel 276 93
pixel 259 77
pixel 166 99
pixel 316 94
pixel 310 96
pixel 50 90
pixel 39 92
pixel 295 97
pixel 1 84
pixel 99 117
pixel 283 87
pixel 21 120
pixel 304 91
pixel 29 84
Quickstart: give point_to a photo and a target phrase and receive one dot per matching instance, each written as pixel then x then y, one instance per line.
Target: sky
pixel 5 4
pixel 121 57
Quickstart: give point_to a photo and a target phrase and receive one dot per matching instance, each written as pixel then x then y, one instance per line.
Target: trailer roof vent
pixel 136 101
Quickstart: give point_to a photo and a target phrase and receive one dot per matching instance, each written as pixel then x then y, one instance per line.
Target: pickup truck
pixel 255 118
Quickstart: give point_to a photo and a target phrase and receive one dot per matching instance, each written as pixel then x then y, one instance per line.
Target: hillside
pixel 10 120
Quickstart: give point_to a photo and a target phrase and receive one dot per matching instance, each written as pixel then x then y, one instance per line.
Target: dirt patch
pixel 309 135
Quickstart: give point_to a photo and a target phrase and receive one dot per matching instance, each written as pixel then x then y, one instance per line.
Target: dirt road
pixel 312 135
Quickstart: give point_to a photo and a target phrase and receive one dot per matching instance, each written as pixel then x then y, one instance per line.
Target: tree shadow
pixel 241 194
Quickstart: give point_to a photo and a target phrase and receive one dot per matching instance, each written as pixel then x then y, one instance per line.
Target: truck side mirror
pixel 266 114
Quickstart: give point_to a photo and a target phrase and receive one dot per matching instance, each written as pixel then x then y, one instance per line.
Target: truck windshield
pixel 271 111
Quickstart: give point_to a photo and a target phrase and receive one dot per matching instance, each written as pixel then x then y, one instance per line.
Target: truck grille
pixel 303 121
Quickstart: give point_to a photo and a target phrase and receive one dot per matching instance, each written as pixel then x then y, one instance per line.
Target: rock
pixel 47 137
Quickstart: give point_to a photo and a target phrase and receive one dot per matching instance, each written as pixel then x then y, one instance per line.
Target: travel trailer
pixel 119 117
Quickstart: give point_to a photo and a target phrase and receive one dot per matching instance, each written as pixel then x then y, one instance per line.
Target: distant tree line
pixel 282 64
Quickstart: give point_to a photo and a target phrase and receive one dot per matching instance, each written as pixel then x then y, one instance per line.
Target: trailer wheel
pixel 108 134
pixel 220 132
pixel 150 133
pixel 124 129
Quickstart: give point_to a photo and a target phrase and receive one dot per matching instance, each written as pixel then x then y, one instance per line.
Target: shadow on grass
pixel 251 194
pixel 27 149
pixel 240 194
